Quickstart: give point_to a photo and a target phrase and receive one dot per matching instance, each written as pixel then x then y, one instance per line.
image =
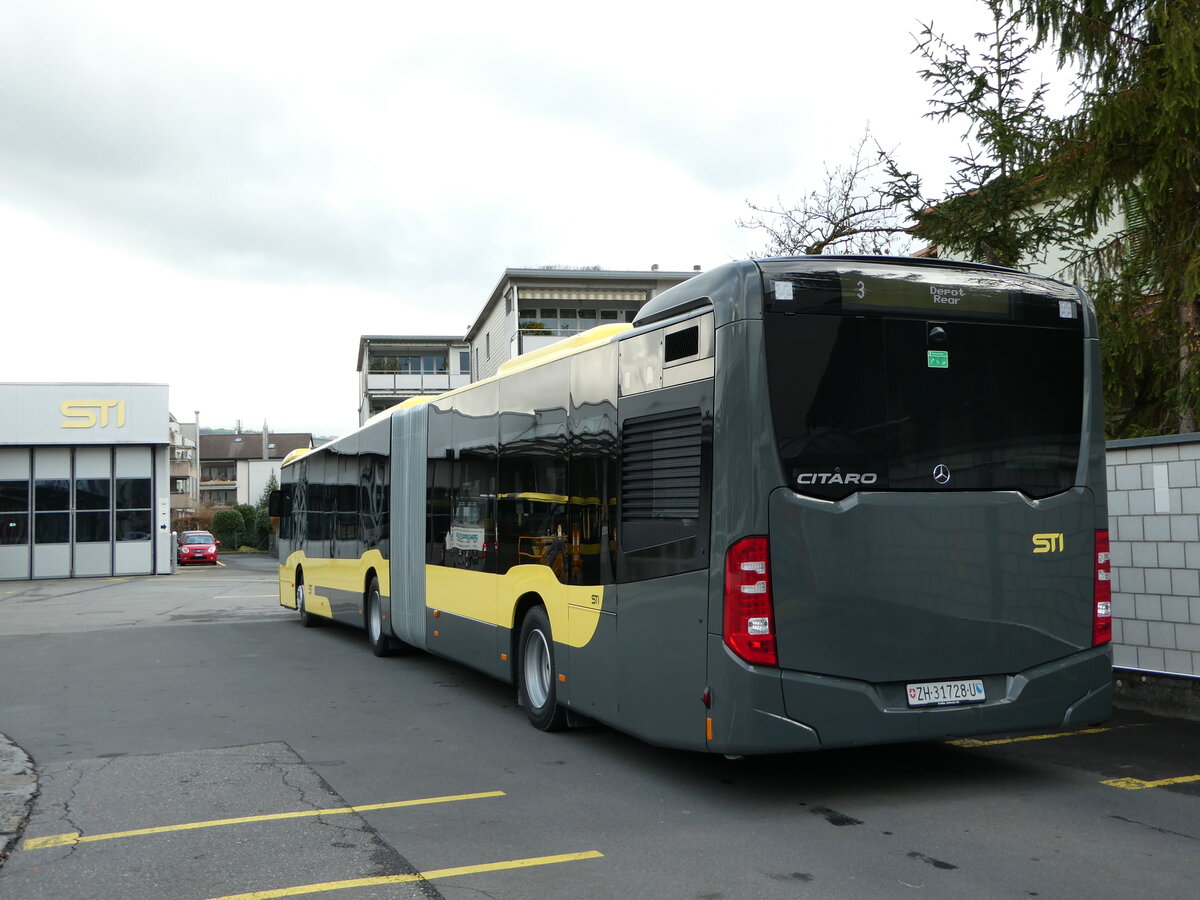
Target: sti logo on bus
pixel 836 478
pixel 1048 543
pixel 82 413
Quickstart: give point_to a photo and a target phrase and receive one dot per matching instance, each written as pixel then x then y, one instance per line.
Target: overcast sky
pixel 224 196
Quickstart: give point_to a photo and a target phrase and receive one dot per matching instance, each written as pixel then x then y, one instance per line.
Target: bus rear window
pixel 890 403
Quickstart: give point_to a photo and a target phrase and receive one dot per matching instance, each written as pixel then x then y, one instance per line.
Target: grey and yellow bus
pixel 798 503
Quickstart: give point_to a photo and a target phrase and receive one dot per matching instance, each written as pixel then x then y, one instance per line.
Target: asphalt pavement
pixel 19 776
pixel 18 787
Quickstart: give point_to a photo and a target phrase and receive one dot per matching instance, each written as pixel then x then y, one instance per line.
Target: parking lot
pixel 193 741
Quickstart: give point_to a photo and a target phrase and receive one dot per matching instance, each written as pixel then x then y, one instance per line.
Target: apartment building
pixel 235 468
pixel 392 368
pixel 184 473
pixel 530 308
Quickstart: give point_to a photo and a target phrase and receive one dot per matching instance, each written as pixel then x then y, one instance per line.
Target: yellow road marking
pixel 74 837
pixel 971 742
pixel 1136 784
pixel 420 876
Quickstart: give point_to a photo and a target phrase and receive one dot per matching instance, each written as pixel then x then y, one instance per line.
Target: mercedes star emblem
pixel 941 474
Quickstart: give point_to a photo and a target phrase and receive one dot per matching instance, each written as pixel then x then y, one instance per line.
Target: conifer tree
pixel 995 208
pixel 1131 154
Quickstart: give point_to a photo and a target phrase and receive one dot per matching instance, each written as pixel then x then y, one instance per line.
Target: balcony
pixel 416 383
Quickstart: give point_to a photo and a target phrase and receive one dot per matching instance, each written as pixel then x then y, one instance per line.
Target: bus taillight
pixel 749 611
pixel 1102 593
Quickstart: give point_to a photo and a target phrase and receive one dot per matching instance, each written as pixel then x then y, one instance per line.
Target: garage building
pixel 84 485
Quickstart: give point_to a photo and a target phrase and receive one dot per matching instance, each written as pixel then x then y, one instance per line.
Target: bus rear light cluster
pixel 1102 593
pixel 749 610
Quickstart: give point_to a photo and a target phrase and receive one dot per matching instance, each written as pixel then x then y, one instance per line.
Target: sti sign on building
pixel 84 489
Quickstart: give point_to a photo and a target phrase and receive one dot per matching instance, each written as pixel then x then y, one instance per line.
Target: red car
pixel 197 546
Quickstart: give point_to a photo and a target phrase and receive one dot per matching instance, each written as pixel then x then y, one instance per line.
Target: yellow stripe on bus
pixel 419 876
pixel 74 837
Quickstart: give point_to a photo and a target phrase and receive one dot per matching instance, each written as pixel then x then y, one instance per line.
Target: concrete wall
pixel 1154 528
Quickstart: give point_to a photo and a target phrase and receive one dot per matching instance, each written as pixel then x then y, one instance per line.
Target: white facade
pixel 253 476
pixel 84 480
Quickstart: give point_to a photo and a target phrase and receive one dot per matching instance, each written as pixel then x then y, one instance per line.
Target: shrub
pixel 248 514
pixel 262 530
pixel 229 527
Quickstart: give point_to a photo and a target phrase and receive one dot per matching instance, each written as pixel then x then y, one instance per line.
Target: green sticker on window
pixel 938 359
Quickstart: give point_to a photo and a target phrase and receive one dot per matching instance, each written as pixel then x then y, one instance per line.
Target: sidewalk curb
pixel 18 787
pixel 1169 696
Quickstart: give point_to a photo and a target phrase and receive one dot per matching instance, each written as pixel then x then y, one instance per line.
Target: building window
pixel 92 527
pixel 487 340
pixel 434 365
pixel 464 362
pixel 92 493
pixel 529 323
pixel 391 364
pixel 562 322
pixel 53 526
pixel 14 512
pixel 218 472
pixel 133 500
pixel 179 485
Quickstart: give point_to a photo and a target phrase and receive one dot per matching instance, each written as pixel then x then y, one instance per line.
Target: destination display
pixel 910 293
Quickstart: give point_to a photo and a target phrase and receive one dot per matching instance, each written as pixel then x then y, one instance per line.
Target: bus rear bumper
pixel 1070 691
pixel 790 711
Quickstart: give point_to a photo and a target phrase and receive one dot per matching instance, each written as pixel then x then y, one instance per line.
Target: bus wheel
pixel 307 619
pixel 535 673
pixel 380 644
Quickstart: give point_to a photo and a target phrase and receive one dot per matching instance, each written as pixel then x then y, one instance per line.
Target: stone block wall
pixel 1154 529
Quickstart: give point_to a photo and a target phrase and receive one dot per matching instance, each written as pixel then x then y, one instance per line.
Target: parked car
pixel 197 546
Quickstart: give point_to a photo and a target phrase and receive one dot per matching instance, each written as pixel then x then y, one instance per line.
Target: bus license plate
pixel 946 693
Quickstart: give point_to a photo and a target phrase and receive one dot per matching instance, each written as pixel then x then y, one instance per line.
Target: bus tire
pixel 381 644
pixel 536 686
pixel 307 619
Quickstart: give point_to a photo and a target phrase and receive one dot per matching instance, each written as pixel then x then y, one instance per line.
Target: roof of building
pixel 249 445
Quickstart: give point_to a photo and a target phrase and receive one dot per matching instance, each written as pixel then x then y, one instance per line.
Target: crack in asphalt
pixel 1190 837
pixel 384 856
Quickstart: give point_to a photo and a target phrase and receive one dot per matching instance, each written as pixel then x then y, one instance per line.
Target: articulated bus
pixel 796 504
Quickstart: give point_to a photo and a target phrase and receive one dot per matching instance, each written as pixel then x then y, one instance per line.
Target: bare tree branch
pixel 850 213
